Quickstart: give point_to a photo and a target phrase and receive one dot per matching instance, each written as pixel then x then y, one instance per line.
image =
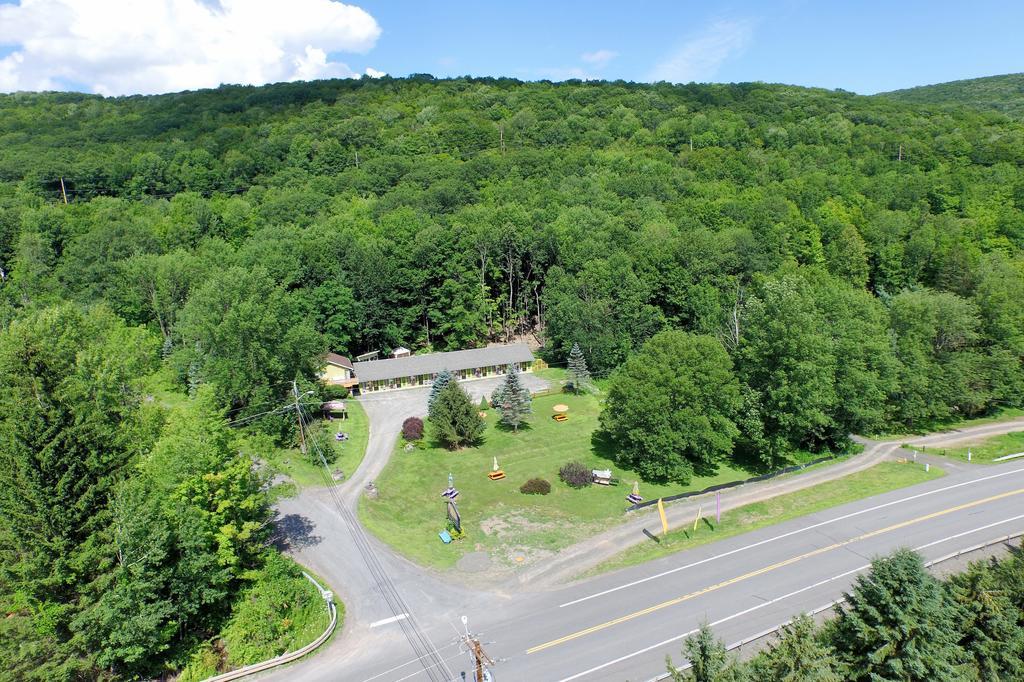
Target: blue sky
pixel 864 46
pixel 129 46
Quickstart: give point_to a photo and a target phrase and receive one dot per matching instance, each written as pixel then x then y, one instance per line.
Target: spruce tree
pixel 578 372
pixel 443 378
pixel 798 656
pixel 709 660
pixel 989 629
pixel 512 399
pixel 454 418
pixel 898 625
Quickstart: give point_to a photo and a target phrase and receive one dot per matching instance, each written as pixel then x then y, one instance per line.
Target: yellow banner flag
pixel 664 519
pixel 696 519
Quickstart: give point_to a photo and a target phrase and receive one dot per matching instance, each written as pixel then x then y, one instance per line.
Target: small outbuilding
pixel 338 371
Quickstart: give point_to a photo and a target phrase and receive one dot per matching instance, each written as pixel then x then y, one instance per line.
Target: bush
pixel 535 486
pixel 334 392
pixel 575 475
pixel 484 406
pixel 412 429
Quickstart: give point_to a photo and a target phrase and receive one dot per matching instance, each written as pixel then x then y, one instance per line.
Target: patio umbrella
pixel 560 408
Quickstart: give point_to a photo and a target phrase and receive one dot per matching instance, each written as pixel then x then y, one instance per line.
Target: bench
pixel 496 475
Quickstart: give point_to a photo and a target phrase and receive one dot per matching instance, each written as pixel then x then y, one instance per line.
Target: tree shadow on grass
pixel 293 532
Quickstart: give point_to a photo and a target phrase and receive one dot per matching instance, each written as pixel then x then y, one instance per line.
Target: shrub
pixel 575 475
pixel 412 429
pixel 535 486
pixel 334 392
pixel 484 406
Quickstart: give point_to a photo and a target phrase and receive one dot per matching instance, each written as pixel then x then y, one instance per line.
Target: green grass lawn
pixel 295 465
pixel 983 451
pixel 513 527
pixel 874 481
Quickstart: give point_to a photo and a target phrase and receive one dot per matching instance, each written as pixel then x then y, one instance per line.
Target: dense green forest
pixel 997 93
pixel 169 263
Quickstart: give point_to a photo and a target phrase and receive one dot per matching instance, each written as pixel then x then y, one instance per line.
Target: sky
pixel 117 47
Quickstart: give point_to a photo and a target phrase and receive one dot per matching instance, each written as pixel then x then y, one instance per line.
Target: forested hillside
pixel 171 262
pixel 997 93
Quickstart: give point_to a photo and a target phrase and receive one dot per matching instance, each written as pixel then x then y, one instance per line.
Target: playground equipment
pixel 496 474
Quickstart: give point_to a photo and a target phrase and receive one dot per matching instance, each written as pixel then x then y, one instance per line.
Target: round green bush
pixel 535 486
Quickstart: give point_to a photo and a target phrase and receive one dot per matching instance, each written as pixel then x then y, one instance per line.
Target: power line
pixel 428 655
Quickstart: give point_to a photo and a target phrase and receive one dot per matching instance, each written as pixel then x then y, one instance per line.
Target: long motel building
pixel 405 370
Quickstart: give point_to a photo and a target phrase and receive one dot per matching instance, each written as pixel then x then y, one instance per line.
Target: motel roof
pixel 432 363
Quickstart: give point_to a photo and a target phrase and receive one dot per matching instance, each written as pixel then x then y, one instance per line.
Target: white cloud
pixel 599 58
pixel 374 73
pixel 147 46
pixel 699 58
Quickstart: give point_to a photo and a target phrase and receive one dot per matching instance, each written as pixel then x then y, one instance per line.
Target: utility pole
pixel 899 157
pixel 63 192
pixel 298 416
pixel 476 651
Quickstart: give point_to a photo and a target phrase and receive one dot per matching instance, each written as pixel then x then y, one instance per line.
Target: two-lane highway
pixel 621 626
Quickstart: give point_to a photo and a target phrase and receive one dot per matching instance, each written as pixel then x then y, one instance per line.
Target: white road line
pixel 676 638
pixel 415 660
pixel 785 535
pixel 392 619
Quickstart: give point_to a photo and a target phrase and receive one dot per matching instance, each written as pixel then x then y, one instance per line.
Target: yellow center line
pixel 768 569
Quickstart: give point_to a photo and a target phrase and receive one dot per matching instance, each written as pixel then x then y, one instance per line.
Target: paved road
pixel 621 626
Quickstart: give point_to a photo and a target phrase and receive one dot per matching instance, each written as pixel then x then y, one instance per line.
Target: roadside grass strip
pixel 994 449
pixel 881 478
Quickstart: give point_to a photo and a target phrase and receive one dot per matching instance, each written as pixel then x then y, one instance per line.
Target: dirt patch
pixel 513 524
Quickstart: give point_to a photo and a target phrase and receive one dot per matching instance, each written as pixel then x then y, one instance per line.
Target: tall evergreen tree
pixel 898 625
pixel 443 378
pixel 69 429
pixel 991 633
pixel 512 399
pixel 578 372
pixel 798 656
pixel 454 418
pixel 709 660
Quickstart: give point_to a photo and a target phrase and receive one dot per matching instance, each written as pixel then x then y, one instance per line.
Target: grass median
pixel 878 479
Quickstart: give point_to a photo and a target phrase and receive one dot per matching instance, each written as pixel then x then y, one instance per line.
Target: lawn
pixel 878 479
pixel 296 466
pixel 983 451
pixel 514 528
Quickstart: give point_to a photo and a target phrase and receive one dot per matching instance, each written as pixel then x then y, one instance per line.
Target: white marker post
pixel 968 454
pixel 927 466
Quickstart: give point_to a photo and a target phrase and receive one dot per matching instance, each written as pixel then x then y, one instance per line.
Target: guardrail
pixel 836 602
pixel 287 657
